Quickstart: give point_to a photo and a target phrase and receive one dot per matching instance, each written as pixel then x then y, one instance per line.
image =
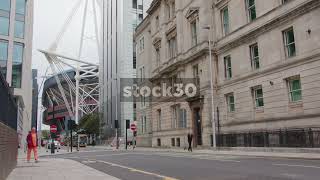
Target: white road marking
pixel 194 156
pixel 293 165
pixel 139 171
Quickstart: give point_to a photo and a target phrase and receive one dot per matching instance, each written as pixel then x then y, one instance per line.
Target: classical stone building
pixel 266 65
pixel 268 56
pixel 171 44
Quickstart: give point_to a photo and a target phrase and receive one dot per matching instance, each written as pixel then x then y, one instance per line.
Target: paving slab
pixel 56 169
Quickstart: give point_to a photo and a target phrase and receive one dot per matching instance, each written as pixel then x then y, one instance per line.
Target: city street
pixel 143 165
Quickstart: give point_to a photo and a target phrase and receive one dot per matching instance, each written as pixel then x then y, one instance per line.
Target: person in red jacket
pixel 32 142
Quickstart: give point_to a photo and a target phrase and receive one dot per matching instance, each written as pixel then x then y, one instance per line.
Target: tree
pixel 90 124
pixel 45 134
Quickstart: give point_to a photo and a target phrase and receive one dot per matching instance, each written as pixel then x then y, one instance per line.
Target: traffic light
pixel 72 124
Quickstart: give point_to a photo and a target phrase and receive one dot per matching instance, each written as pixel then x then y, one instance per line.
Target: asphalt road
pixel 139 165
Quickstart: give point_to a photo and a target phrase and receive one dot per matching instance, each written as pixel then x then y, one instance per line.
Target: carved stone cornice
pixel 172 32
pixel 157 43
pixel 192 13
pixel 272 24
pixel 153 7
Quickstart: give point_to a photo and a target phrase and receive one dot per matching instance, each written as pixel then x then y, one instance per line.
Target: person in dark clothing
pixel 190 137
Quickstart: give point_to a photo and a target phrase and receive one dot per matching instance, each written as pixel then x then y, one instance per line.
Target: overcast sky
pixel 49 17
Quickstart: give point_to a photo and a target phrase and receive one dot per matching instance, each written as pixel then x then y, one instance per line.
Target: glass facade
pixel 3 57
pixel 5 5
pixel 4 26
pixel 17 65
pixel 19 29
pixel 4 17
pixel 20 7
pixel 20 19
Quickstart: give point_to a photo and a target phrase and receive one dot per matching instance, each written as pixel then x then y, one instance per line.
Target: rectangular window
pixel 134 62
pixel 140 16
pixel 173 142
pixel 182 118
pixel 18 49
pixel 173 9
pixel 142 125
pixel 19 29
pixel 225 20
pixel 159 119
pixel 251 8
pixel 194 33
pixel 21 7
pixel 141 44
pixel 295 90
pixel 178 142
pixel 4 25
pixel 157 22
pixel 254 55
pixel 258 96
pixel 158 60
pixel 172 47
pixel 231 103
pixel 168 11
pixel 3 57
pixel 134 4
pixel 227 67
pixel 5 5
pixel 145 123
pixel 289 42
pixel 196 75
pixel 175 114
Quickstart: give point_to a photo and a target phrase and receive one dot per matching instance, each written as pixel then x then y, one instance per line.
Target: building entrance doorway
pixel 197 126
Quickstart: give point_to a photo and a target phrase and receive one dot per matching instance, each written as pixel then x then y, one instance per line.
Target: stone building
pixel 266 67
pixel 268 71
pixel 171 44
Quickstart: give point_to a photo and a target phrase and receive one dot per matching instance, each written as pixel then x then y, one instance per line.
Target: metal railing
pixel 8 107
pixel 292 138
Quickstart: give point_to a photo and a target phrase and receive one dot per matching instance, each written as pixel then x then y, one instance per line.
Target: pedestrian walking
pixel 32 143
pixel 190 137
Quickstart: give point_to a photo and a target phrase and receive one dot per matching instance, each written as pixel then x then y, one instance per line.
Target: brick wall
pixel 8 150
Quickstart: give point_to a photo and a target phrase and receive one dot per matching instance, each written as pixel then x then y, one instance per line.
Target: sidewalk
pixel 290 155
pixel 54 169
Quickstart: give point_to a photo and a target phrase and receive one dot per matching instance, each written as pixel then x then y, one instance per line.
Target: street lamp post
pixel 211 89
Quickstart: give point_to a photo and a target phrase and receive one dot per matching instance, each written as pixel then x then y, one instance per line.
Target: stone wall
pixel 8 150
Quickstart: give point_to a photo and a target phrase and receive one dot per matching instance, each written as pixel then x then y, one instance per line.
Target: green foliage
pixel 90 124
pixel 45 134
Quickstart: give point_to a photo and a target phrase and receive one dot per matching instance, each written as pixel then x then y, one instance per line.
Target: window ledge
pixel 297 104
pixel 259 109
pixel 231 114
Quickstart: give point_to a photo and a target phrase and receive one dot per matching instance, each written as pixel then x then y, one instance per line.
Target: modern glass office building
pixel 121 19
pixel 16 27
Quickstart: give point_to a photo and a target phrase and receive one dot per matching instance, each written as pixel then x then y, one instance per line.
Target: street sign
pixel 133 127
pixel 53 129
